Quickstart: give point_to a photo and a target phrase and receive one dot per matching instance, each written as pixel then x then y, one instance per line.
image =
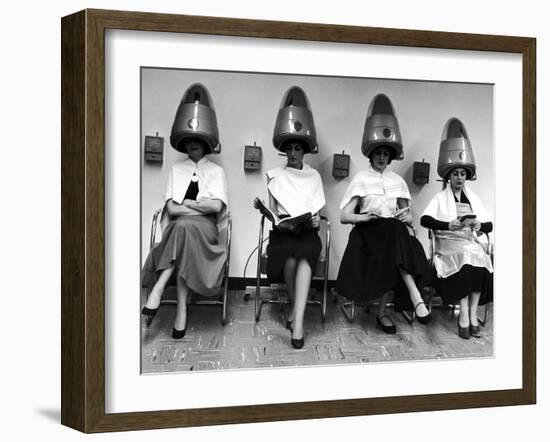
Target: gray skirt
pixel 190 243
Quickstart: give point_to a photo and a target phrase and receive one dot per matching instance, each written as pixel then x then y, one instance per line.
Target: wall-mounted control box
pixel 340 165
pixel 154 148
pixel 421 173
pixel 252 157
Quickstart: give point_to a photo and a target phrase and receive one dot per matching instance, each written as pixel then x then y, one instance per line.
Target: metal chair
pixel 224 237
pixel 319 273
pixel 433 293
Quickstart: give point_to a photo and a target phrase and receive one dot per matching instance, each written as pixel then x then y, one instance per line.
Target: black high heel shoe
pixel 390 329
pixel 149 314
pixel 475 331
pixel 178 334
pixel 296 343
pixel 463 332
pixel 423 319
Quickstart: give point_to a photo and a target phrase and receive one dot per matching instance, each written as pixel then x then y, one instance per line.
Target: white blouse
pixel 377 190
pixel 212 183
pixel 296 191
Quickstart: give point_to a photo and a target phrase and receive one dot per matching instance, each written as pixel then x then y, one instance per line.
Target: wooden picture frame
pixel 83 220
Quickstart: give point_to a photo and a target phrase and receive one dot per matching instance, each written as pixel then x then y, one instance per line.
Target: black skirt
pixel 370 265
pixel 467 280
pixel 283 245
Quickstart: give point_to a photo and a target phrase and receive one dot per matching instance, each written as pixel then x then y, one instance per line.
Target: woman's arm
pixel 348 215
pixel 175 209
pixel 405 217
pixel 433 224
pixel 205 206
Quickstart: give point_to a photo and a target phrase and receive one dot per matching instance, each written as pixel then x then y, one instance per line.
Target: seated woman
pixel 195 201
pixel 457 217
pixel 294 189
pixel 381 256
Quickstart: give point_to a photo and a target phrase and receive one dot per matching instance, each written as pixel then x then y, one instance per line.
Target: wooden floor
pixel 245 343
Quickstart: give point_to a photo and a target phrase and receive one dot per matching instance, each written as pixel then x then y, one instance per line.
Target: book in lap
pixel 400 211
pixel 394 215
pixel 295 224
pixel 464 213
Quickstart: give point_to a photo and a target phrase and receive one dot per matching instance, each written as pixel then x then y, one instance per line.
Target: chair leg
pixel 409 317
pixel 324 301
pixel 257 303
pixel 224 300
pixel 483 320
pixel 350 315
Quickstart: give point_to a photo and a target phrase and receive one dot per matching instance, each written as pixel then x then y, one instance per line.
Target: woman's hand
pixel 370 215
pixel 315 220
pixel 206 206
pixel 175 209
pixel 405 217
pixel 455 225
pixel 475 225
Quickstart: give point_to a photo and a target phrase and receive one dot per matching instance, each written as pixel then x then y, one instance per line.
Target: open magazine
pixel 396 213
pixel 469 216
pixel 400 211
pixel 464 213
pixel 295 224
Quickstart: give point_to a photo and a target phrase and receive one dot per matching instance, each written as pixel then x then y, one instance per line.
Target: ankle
pixel 297 330
pixel 421 309
pixel 463 319
pixel 153 300
pixel 180 322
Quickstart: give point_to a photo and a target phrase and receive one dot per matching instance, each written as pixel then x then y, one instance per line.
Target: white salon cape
pixel 377 190
pixel 296 191
pixel 212 185
pixel 454 249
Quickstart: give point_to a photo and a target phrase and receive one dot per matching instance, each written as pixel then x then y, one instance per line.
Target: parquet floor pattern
pixel 244 343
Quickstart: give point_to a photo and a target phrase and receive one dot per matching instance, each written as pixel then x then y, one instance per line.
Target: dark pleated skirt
pixel 191 244
pixel 283 245
pixel 467 280
pixel 370 265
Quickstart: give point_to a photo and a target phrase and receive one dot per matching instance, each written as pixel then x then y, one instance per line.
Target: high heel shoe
pixel 463 332
pixel 297 343
pixel 475 331
pixel 390 329
pixel 423 319
pixel 149 314
pixel 288 324
pixel 178 334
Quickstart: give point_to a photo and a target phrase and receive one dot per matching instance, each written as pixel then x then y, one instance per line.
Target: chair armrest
pixel 154 224
pixel 229 227
pixel 431 237
pixel 490 245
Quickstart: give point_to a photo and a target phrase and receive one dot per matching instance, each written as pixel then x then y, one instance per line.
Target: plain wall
pixel 246 107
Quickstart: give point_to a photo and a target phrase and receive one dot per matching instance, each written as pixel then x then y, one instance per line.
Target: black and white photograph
pixel 304 220
pixel 275 221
